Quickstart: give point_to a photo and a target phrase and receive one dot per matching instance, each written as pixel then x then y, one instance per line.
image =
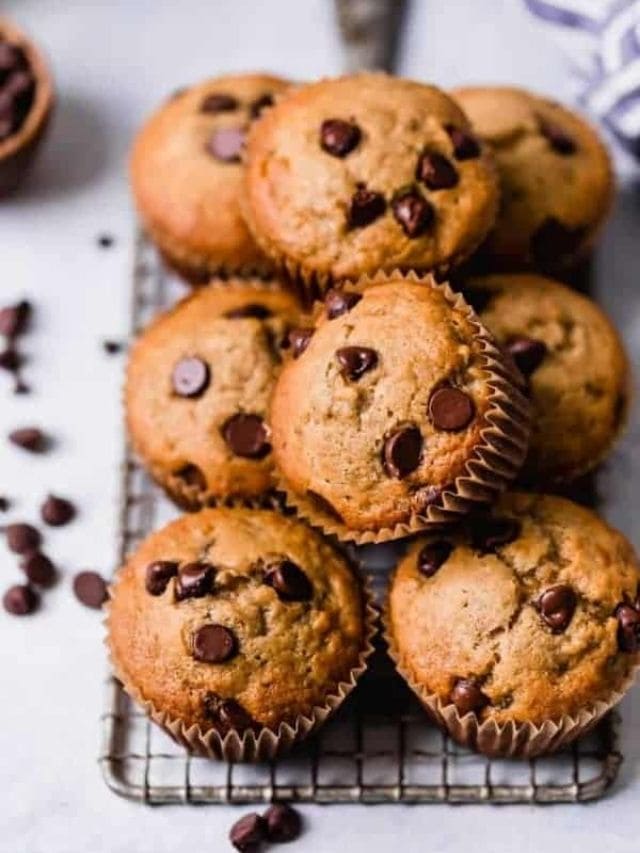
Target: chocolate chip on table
pixel 560 141
pixel 298 340
pixel 435 171
pixel 465 145
pixel 214 644
pixel 190 377
pixel 228 713
pixel 557 606
pixel 253 309
pixel 433 555
pixel 105 241
pixel 195 580
pixel 402 451
pixel 32 439
pixel 527 353
pixel 450 408
pixel 414 213
pixel 261 103
pixel 20 387
pixel 468 697
pixel 248 833
pixel 158 575
pixel 339 137
pixel 4 503
pixel 113 347
pixel 365 207
pixel 247 436
pixel 90 589
pixel 14 319
pixel 22 538
pixel 489 533
pixel 338 302
pixel 20 600
pixel 288 581
pixel 553 242
pixel 57 511
pixel 628 627
pixel 10 359
pixel 226 144
pixel 39 569
pixel 356 361
pixel 219 102
pixel 283 823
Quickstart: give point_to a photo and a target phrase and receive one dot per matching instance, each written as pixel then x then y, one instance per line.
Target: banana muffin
pixel 555 174
pixel 235 619
pixel 198 385
pixel 364 173
pixel 395 411
pixel 526 617
pixel 574 364
pixel 186 174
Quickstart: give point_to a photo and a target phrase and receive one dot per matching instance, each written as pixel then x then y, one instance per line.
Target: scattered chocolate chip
pixel 227 713
pixel 339 137
pixel 30 438
pixel 192 476
pixel 195 580
pixel 401 452
pixel 365 207
pixel 468 697
pixel 628 628
pixel 260 104
pixel 560 141
pixel 105 241
pixel 433 555
pixel 14 319
pixel 553 242
pixel 489 533
pixel 254 309
pixel 22 538
pixel 557 605
pixel 214 644
pixel 39 569
pixel 450 408
pixel 21 388
pixel 248 833
pixel 338 302
pixel 283 823
pixel 298 340
pixel 10 359
pixel 414 213
pixel 4 503
pixel 219 102
pixel 465 145
pixel 90 589
pixel 158 575
pixel 527 353
pixel 436 171
pixel 190 377
pixel 226 144
pixel 356 361
pixel 20 600
pixel 289 581
pixel 57 511
pixel 113 347
pixel 247 436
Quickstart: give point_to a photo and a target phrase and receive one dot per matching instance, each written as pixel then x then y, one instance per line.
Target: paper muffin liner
pixel 264 743
pixel 493 465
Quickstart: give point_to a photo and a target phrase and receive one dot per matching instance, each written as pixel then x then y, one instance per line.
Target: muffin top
pixel 198 384
pixel 186 172
pixel 574 364
pixel 393 395
pixel 367 172
pixel 527 613
pixel 232 618
pixel 555 175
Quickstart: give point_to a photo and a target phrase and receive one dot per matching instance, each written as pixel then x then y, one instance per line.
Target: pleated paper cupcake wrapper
pixel 265 743
pixel 494 464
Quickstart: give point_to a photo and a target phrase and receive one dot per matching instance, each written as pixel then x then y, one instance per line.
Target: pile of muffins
pixel 375 352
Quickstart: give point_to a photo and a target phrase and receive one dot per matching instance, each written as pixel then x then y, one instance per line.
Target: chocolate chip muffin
pixel 555 176
pixel 395 411
pixel 186 174
pixel 239 630
pixel 364 173
pixel 574 366
pixel 198 384
pixel 521 628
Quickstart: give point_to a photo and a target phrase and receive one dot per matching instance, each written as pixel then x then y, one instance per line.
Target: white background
pixel 114 60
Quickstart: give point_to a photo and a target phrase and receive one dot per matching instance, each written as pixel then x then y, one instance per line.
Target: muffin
pixel 239 630
pixel 186 175
pixel 26 101
pixel 198 384
pixel 555 174
pixel 521 629
pixel 349 176
pixel 574 364
pixel 395 411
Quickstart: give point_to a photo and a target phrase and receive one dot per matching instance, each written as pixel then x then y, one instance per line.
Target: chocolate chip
pixel 527 353
pixel 39 569
pixel 401 452
pixel 219 102
pixel 190 377
pixel 365 207
pixel 226 144
pixel 260 104
pixel 90 589
pixel 283 823
pixel 22 538
pixel 214 644
pixel 298 340
pixel 247 436
pixel 560 141
pixel 113 347
pixel 227 713
pixel 413 212
pixel 20 600
pixel 21 388
pixel 29 438
pixel 289 581
pixel 557 605
pixel 339 137
pixel 195 580
pixel 553 242
pixel 192 476
pixel 433 555
pixel 338 302
pixel 468 697
pixel 450 408
pixel 489 533
pixel 436 171
pixel 10 359
pixel 57 511
pixel 628 628
pixel 14 319
pixel 356 361
pixel 247 833
pixel 4 503
pixel 465 145
pixel 253 309
pixel 158 575
pixel 105 241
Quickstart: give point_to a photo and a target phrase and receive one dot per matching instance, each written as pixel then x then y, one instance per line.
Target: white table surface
pixel 114 60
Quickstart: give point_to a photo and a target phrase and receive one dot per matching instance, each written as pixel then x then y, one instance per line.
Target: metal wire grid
pixel 380 748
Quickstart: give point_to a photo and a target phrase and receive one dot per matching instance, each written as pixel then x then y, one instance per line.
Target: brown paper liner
pixel 494 464
pixel 262 744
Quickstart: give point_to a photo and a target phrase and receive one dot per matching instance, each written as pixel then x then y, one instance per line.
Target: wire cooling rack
pixel 380 748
